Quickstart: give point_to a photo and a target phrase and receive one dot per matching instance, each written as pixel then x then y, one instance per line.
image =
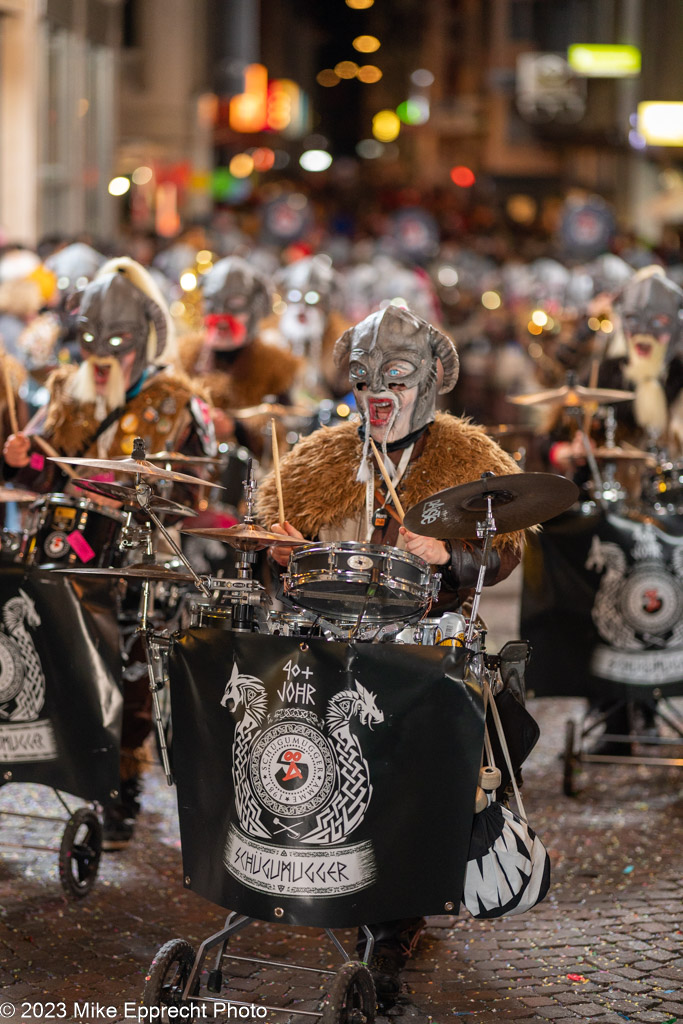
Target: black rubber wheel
pixel 168 974
pixel 80 852
pixel 352 998
pixel 570 759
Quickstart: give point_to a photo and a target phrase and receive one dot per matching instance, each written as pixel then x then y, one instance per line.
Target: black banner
pixel 324 783
pixel 60 700
pixel 602 604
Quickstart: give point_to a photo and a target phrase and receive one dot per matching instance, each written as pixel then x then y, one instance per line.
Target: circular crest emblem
pixel 11 669
pixel 292 769
pixel 55 544
pixel 651 600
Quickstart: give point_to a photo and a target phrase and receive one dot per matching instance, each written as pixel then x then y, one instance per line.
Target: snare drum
pixel 69 531
pixel 334 579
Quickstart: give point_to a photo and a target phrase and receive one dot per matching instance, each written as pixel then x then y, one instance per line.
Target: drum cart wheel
pixel 571 760
pixel 169 974
pixel 80 848
pixel 175 972
pixel 80 852
pixel 352 998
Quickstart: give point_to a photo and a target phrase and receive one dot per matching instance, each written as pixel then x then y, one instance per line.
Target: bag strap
pixel 490 702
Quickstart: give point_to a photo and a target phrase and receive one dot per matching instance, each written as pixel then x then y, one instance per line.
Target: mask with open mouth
pixel 650 306
pixel 393 368
pixel 394 359
pixel 236 298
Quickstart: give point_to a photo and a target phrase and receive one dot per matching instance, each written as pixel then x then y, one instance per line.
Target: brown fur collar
pixel 319 474
pixel 259 369
pixel 68 423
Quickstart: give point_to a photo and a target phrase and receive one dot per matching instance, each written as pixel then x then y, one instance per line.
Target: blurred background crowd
pixel 501 167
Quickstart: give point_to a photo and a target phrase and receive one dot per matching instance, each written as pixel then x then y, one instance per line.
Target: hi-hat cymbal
pixel 14 494
pixel 128 498
pixel 136 571
pixel 518 501
pixel 272 409
pixel 615 452
pixel 244 536
pixel 138 466
pixel 179 458
pixel 572 396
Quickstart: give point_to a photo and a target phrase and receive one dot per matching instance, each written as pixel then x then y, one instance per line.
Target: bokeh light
pixel 346 69
pixel 386 125
pixel 369 149
pixel 534 328
pixel 491 300
pixel 539 317
pixel 118 186
pixel 422 78
pixel 410 112
pixel 521 208
pixel 359 5
pixel 315 160
pixel 448 277
pixel 263 158
pixel 327 78
pixel 368 74
pixel 188 280
pixel 463 176
pixel 366 44
pixel 241 165
pixel 142 175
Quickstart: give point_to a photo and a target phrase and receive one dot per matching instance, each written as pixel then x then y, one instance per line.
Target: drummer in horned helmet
pixel 119 392
pixel 332 488
pixel 332 492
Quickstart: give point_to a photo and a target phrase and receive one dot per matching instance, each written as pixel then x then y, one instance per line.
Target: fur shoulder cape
pixel 319 483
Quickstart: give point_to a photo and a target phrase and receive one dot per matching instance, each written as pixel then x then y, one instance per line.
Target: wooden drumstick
pixel 592 383
pixel 387 481
pixel 276 469
pixel 11 405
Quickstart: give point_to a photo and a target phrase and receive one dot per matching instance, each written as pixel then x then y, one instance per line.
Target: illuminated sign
pixel 661 124
pixel 602 60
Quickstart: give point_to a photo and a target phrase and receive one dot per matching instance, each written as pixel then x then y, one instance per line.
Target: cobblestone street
pixel 606 945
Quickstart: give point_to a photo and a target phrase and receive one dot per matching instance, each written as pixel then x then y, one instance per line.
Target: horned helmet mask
pixel 398 363
pixel 236 299
pixel 651 310
pixel 123 325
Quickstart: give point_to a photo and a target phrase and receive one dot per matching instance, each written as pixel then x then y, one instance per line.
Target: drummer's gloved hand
pixel 462 570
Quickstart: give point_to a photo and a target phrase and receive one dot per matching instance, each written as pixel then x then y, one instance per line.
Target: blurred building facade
pixel 91 89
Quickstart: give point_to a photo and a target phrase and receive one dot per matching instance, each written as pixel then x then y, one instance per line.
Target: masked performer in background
pixel 96 410
pixel 398 363
pixel 233 363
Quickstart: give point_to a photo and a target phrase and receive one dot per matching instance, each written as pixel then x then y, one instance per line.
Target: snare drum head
pixel 340 579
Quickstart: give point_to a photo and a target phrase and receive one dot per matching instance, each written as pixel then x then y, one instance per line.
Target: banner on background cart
pixel 324 783
pixel 602 605
pixel 60 698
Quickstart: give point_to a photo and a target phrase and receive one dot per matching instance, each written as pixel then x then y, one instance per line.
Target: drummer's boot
pixel 395 943
pixel 119 818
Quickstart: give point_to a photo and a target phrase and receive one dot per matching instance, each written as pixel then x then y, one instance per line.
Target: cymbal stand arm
pixel 143 492
pixel 590 458
pixel 487 529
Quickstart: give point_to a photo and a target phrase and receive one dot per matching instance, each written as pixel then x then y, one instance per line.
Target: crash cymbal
pixel 272 409
pixel 128 498
pixel 615 452
pixel 128 465
pixel 519 500
pixel 14 494
pixel 179 458
pixel 136 571
pixel 572 396
pixel 244 536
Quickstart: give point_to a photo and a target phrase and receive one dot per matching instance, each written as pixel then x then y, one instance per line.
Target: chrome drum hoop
pixel 332 580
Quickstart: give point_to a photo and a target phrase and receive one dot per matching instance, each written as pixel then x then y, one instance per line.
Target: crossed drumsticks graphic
pixel 287 828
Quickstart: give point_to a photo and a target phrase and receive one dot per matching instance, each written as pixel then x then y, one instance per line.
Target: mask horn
pixel 156 315
pixel 444 349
